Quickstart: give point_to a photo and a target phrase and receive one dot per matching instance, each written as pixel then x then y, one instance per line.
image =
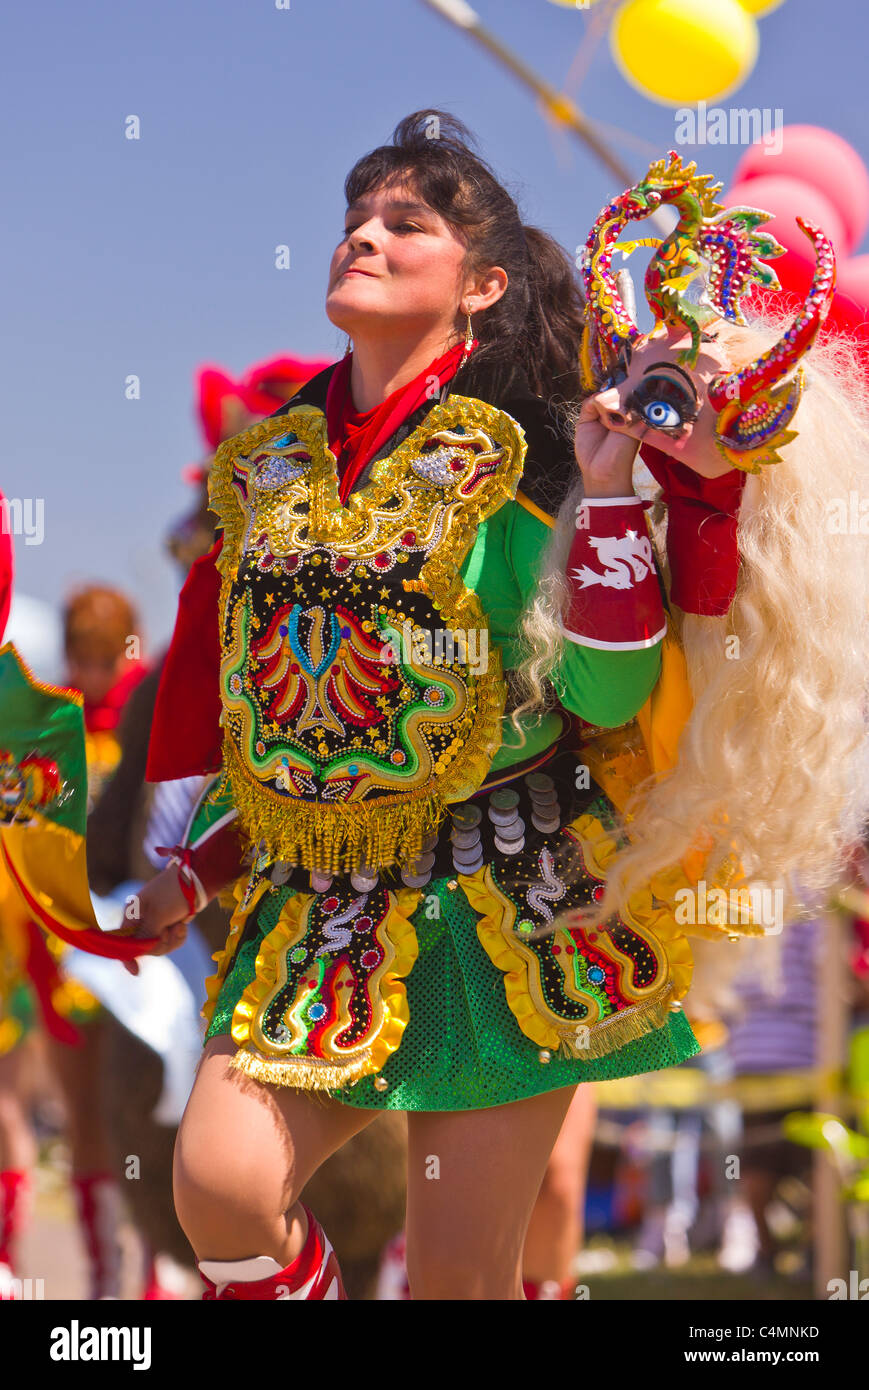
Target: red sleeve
pixel 185 735
pixel 218 860
pixel 702 518
pixel 615 600
pixel 5 566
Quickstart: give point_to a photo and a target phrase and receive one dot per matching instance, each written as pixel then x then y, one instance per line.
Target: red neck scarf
pixel 355 436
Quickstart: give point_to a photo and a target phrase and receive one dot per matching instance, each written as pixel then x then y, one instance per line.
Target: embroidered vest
pixel 360 693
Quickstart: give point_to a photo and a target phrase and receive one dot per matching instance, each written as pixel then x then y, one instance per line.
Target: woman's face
pixel 398 266
pixel 658 400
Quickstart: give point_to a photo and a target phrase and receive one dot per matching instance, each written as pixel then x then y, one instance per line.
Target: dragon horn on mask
pixel 725 251
pixel 756 404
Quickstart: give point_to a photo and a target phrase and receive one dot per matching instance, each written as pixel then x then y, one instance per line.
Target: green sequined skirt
pixel 462 1048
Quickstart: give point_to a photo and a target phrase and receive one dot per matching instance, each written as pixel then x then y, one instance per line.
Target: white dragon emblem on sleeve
pixel 628 559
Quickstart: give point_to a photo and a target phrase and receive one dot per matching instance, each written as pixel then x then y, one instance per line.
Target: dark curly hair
pixel 538 321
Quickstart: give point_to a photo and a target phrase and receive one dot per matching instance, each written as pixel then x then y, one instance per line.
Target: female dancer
pixel 400 939
pixel 35 982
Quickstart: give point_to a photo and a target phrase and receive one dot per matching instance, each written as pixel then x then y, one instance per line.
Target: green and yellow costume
pixel 407 843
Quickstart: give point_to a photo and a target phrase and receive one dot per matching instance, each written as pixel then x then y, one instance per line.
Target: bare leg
pixel 78 1072
pixel 17 1141
pixel 95 1184
pixel 243 1155
pixel 556 1230
pixel 473 1179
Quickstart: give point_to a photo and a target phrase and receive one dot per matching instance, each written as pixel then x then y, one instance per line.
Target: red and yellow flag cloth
pixel 43 809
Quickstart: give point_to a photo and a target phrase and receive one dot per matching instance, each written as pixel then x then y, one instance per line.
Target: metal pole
pixel 459 13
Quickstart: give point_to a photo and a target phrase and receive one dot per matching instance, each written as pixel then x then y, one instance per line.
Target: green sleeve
pixel 215 805
pixel 603 687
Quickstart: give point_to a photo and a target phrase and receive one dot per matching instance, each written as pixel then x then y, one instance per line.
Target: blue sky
pixel 149 257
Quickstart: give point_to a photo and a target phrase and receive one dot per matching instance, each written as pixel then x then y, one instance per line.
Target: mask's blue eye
pixel 663 401
pixel 661 415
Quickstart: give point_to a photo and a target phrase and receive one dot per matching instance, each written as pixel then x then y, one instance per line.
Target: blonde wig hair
pixel 772 765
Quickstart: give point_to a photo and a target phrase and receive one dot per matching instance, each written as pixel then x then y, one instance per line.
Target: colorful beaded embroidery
pixel 352 715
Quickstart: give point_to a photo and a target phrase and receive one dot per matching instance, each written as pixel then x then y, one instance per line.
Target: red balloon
pixel 849 312
pixel 827 163
pixel 853 281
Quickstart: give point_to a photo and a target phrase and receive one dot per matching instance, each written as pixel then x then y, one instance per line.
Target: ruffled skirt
pixel 444 988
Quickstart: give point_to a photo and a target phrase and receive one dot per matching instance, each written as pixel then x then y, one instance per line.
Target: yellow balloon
pixel 760 7
pixel 683 51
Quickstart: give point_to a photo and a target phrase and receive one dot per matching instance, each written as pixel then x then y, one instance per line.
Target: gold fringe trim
pixel 332 838
pixel 69 697
pixel 627 1026
pixel 301 1073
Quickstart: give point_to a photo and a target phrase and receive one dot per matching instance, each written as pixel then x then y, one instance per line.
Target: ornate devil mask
pixel 677 389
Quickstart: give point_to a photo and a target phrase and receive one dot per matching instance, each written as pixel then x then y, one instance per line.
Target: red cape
pixel 185 735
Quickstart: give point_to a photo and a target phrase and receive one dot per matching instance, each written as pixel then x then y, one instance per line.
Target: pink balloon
pixel 827 163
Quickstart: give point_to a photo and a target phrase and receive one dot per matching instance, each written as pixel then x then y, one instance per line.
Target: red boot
pixel 164 1279
pixel 314 1274
pixel 14 1208
pixel 98 1203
